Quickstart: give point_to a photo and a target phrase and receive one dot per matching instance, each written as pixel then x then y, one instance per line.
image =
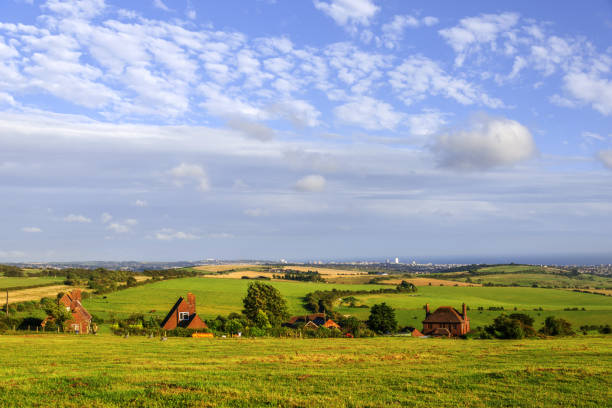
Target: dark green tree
pixel 382 319
pixel 556 327
pixel 266 298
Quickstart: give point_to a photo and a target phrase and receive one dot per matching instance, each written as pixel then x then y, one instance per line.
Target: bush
pixel 556 327
pixel 515 326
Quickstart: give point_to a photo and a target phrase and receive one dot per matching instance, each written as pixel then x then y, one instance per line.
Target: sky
pixel 305 130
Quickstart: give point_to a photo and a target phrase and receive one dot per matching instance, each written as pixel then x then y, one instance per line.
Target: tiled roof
pixel 444 314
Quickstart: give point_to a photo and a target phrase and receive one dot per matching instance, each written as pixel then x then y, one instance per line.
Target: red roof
pixel 444 314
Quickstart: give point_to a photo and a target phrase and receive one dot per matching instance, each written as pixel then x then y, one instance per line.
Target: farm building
pixel 312 321
pixel 183 314
pixel 446 321
pixel 80 323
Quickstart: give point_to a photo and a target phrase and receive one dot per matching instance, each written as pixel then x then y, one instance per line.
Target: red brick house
pixel 80 323
pixel 312 321
pixel 446 321
pixel 183 314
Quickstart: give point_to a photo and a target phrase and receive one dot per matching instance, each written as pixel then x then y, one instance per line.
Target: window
pixel 183 315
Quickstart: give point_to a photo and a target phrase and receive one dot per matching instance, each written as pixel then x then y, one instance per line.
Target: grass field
pixel 10 282
pixel 109 371
pixel 213 296
pixel 223 296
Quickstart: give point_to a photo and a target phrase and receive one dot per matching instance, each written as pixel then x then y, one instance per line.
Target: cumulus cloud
pixel 141 203
pixel 311 183
pixel 169 234
pixel 31 229
pixel 590 88
pixel 106 217
pixel 348 13
pixel 368 113
pixel 605 157
pixel 473 32
pixel 185 172
pixel 486 143
pixel 77 218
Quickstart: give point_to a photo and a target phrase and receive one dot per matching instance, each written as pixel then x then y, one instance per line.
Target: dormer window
pixel 183 316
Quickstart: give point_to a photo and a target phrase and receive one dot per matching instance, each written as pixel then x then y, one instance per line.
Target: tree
pixel 406 287
pixel 556 327
pixel 58 312
pixel 507 327
pixel 131 281
pixel 382 319
pixel 261 320
pixel 266 298
pixel 233 326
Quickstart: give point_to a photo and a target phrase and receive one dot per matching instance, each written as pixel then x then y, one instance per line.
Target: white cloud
pixel 605 157
pixel 220 235
pixel 487 143
pixel 393 32
pixel 419 76
pixel 368 113
pixel 426 123
pixel 311 183
pixel 589 137
pixel 348 13
pixel 190 172
pixel 472 32
pixel 84 9
pixel 31 229
pixel 168 234
pixel 141 203
pixel 106 217
pixel 160 5
pixel 118 228
pixel 592 89
pixel 77 218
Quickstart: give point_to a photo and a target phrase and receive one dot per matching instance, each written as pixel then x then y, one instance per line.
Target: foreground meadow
pixel 108 371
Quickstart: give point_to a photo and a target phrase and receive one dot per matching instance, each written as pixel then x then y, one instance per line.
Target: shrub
pixel 556 327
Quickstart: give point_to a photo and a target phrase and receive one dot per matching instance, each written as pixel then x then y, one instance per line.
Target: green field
pixel 10 282
pixel 109 371
pixel 528 275
pixel 213 296
pixel 223 296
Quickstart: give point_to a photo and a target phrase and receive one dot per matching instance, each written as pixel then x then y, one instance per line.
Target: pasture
pixel 223 296
pixel 109 371
pixel 12 282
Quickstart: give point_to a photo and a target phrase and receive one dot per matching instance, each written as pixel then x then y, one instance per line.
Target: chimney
pixel 426 309
pixel 191 302
pixel 464 312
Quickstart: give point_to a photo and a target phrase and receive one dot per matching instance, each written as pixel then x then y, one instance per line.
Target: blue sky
pixel 324 129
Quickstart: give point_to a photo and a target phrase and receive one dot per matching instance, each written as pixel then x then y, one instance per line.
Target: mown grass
pixel 223 296
pixel 11 282
pixel 213 296
pixel 108 371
